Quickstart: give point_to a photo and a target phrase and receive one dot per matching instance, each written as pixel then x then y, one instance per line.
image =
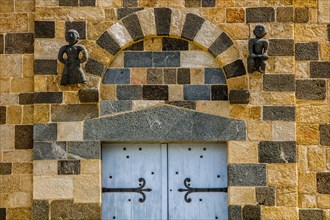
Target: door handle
pixel 190 190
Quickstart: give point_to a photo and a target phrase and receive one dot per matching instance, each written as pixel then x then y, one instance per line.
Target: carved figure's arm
pixel 250 44
pixel 84 54
pixel 60 55
pixel 265 48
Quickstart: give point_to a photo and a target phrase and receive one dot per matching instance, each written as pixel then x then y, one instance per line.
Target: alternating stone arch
pixel 174 23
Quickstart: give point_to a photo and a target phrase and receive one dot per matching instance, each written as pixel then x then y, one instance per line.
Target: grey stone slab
pixel 44 29
pixel 115 106
pixel 48 97
pixel 67 209
pixel 307 51
pixel 251 212
pixel 94 67
pixel 19 43
pixel 129 92
pixel 68 167
pixel 107 42
pixel 239 97
pixel 88 95
pixel 277 152
pixel 279 113
pixel 6 168
pixel 197 92
pixel 281 47
pixel 23 136
pixel 137 59
pixel 163 21
pixel 247 174
pixel 279 82
pixel 155 92
pixel 117 76
pixel 26 98
pixel 166 59
pixel 221 44
pixel 323 182
pixel 49 150
pixel 234 69
pixel 45 132
pixel 311 89
pixel 234 212
pixel 79 26
pixel 214 76
pixel 3 213
pixel 40 209
pixel 123 12
pixel 133 26
pixel 84 150
pixel 260 14
pixel 320 70
pixel 191 26
pixel 3 114
pixel 74 112
pixel 165 123
pixel 325 134
pixel 265 195
pixel 45 67
pixel 311 214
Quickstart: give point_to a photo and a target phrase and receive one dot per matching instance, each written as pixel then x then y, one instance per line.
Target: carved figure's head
pixel 260 31
pixel 72 36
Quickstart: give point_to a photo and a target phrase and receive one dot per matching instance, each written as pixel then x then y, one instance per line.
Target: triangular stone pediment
pixel 164 123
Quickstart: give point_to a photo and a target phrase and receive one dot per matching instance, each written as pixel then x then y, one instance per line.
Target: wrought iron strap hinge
pixel 190 190
pixel 139 190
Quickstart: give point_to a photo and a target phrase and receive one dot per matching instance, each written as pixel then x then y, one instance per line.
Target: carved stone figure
pixel 72 72
pixel 258 50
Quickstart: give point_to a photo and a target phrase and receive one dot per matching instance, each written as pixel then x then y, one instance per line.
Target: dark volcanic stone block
pixel 311 214
pixel 281 47
pixel 68 2
pixel 221 44
pixel 130 3
pixel 3 213
pixel 214 76
pixel 169 44
pixel 183 76
pixel 320 69
pixel 234 212
pixel 163 21
pixel 44 29
pixel 137 59
pixel 307 51
pixel 260 14
pixel 166 59
pixel 133 26
pixel 23 136
pixel 129 92
pixel 208 3
pixel 117 76
pixel 19 43
pixel 158 92
pixel 5 169
pixel 284 14
pixel 45 132
pixel 68 167
pixel 323 182
pixel 40 209
pixel 88 95
pixel 3 114
pixel 45 67
pixel 311 89
pixel 66 209
pixel 26 98
pixel 75 112
pixel 94 67
pixel 251 212
pixel 110 107
pixel 2 44
pixel 84 150
pixel 282 113
pixel 325 134
pixel 87 2
pixel 192 25
pixel 265 195
pixel 123 12
pixel 49 150
pixel 107 42
pixel 139 46
pixel 277 152
pixel 239 97
pixel 183 104
pixel 48 97
pixel 170 76
pixel 247 174
pixel 279 82
pixel 79 26
pixel 301 15
pixel 197 92
pixel 219 92
pixel 155 76
pixel 234 69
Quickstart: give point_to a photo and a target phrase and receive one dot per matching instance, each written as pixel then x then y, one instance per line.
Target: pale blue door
pixel 164 181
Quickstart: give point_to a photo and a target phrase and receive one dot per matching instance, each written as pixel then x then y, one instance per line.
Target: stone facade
pixel 155 57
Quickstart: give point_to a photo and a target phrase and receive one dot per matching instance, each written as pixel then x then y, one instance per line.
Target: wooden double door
pixel 164 181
